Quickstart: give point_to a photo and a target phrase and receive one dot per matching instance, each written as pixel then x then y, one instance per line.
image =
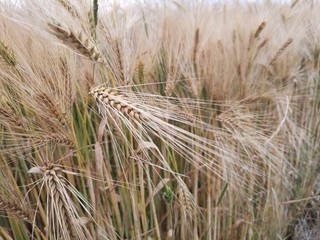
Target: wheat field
pixel 159 120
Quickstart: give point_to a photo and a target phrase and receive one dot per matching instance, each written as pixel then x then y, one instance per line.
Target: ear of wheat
pixel 114 99
pixel 77 42
pixel 16 210
pixel 64 221
pixel 7 54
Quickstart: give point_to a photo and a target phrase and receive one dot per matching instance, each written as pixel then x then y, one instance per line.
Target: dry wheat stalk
pixel 113 98
pixel 77 42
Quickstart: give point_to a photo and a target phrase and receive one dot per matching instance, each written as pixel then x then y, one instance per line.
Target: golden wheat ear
pixel 68 6
pixel 64 220
pixel 10 118
pixel 54 107
pixel 7 54
pixel 77 42
pixel 19 211
pixel 116 100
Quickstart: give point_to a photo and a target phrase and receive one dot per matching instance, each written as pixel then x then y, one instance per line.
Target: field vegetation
pixel 159 120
